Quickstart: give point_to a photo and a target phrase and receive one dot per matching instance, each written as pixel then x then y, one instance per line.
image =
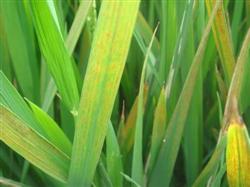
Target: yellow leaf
pixel 238 156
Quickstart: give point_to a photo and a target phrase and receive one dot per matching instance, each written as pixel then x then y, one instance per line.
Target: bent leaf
pixel 10 98
pixel 33 147
pixel 55 134
pixel 56 55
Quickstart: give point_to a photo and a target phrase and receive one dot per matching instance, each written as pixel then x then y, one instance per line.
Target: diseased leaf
pixel 106 63
pixel 233 95
pixel 223 40
pixel 32 146
pixel 159 127
pixel 238 155
pixel 126 136
pixel 10 98
pixel 39 121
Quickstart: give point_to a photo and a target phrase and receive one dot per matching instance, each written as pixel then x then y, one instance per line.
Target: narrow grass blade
pixel 178 50
pixel 106 63
pixel 221 85
pixel 127 132
pixel 152 70
pixel 56 55
pixel 77 25
pixel 241 63
pixel 32 146
pixel 211 166
pixel 53 131
pixel 137 160
pixel 10 98
pixel 237 79
pixel 129 179
pixel 143 29
pixel 223 40
pixel 70 43
pixel 20 39
pixel 101 176
pixel 192 134
pixel 67 122
pixel 244 99
pixel 167 156
pixel 159 127
pixel 24 170
pixel 49 94
pixel 169 32
pixel 200 16
pixel 218 177
pixel 113 158
pixel 237 15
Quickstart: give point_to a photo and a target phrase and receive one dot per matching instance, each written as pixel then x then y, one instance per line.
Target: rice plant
pixel 117 93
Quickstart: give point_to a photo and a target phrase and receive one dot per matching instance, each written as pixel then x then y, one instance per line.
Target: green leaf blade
pixel 10 98
pixel 169 149
pixel 106 63
pixel 56 55
pixel 20 38
pixel 55 134
pixel 114 158
pixel 32 146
